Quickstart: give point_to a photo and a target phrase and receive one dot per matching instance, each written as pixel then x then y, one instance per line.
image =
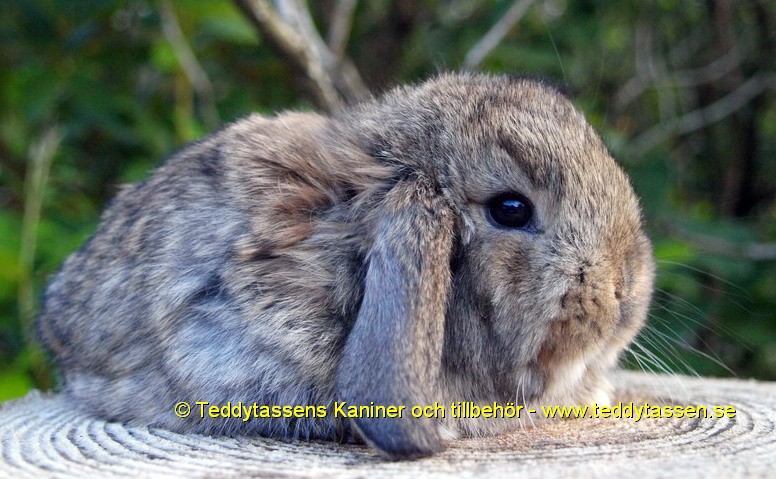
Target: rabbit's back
pixel 186 292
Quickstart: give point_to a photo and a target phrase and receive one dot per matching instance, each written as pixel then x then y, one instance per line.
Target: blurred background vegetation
pixel 96 93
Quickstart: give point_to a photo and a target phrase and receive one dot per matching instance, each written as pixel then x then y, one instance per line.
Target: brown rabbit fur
pixel 302 260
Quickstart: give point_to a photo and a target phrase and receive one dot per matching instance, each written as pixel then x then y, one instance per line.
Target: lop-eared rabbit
pixel 468 238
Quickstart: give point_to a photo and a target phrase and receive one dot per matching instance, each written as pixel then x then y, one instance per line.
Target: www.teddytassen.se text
pixel 459 410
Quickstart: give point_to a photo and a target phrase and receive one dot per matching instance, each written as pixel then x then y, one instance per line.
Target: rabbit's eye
pixel 510 210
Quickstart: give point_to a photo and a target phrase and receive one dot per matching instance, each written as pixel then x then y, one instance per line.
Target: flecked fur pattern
pixel 303 259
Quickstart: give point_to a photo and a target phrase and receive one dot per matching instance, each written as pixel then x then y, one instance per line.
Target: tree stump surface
pixel 46 435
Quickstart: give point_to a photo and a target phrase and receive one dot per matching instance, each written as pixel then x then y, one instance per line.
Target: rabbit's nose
pixel 591 298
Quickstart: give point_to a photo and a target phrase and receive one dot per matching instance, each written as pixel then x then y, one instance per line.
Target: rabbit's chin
pixel 576 384
pixel 581 382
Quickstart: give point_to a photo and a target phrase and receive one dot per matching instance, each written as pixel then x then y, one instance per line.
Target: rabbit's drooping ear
pixel 393 353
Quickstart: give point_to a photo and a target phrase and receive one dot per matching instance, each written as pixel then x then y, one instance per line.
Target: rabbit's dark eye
pixel 510 210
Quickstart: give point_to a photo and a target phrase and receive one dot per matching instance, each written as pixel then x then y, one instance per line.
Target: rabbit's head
pixel 506 260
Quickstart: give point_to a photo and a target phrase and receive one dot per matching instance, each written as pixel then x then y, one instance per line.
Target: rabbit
pixel 467 238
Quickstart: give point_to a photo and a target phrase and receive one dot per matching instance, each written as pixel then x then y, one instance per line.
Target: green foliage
pixel 103 74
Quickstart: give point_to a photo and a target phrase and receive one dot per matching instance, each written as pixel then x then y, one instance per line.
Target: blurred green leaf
pixel 15 384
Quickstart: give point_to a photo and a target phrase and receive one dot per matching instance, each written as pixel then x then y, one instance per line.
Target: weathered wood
pixel 46 435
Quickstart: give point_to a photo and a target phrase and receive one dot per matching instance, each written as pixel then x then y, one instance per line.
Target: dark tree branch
pixel 700 118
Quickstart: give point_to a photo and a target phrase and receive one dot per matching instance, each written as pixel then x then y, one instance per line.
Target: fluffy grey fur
pixel 302 259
